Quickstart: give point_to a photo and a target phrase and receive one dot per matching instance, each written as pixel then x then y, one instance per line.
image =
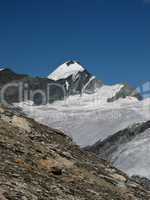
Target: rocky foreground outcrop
pixel 39 163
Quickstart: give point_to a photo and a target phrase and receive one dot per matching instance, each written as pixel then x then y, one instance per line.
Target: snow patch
pixel 65 70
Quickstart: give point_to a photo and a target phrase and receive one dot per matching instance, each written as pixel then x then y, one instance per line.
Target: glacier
pixel 89 118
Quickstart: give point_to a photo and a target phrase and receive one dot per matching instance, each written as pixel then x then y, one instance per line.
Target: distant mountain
pixel 75 78
pixel 68 79
pixel 68 84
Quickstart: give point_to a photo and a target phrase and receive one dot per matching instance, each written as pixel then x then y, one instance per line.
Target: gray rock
pixel 40 163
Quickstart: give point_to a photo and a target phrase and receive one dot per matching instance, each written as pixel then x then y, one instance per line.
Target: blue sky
pixel 110 37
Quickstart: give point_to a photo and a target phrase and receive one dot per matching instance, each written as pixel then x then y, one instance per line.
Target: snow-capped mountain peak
pixel 65 70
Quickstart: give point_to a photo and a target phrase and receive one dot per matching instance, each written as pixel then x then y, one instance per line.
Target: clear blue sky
pixel 110 37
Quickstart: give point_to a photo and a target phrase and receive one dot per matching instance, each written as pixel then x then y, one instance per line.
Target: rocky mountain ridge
pixel 75 82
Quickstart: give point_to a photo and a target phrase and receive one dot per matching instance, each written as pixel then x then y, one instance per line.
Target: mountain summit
pixel 75 78
pixel 70 68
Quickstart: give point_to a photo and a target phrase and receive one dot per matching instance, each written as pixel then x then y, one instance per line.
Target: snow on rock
pixel 1 69
pixel 65 70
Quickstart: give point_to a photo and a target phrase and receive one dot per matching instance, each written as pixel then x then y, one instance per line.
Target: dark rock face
pixel 40 163
pixel 83 82
pixel 124 92
pixel 28 85
pixel 7 75
pixel 70 63
pixel 105 149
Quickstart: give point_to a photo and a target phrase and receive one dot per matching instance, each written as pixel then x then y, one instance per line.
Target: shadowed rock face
pixel 33 84
pixel 8 75
pixel 82 79
pixel 39 163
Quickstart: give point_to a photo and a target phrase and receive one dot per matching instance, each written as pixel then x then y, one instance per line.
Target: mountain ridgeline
pixel 68 79
pixel 106 149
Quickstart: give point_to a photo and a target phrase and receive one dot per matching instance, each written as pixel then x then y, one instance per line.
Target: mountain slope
pixel 90 118
pixel 37 162
pixel 127 149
